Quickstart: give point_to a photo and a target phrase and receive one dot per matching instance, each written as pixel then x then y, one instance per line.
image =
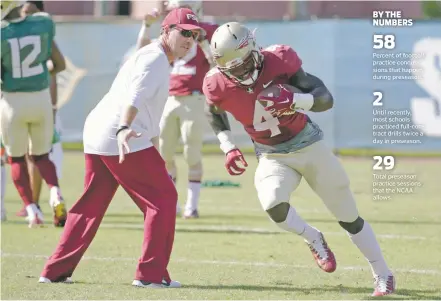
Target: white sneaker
pixel 35 216
pixel 323 255
pixel 164 284
pixel 384 285
pixel 46 280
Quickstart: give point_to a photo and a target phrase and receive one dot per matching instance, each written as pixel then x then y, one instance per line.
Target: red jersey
pixel 280 63
pixel 188 73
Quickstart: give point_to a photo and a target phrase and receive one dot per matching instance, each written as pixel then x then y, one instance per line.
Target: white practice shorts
pixel 26 116
pixel 278 175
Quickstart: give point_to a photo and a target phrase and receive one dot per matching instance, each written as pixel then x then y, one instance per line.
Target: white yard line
pixel 237 263
pixel 245 229
pixel 252 209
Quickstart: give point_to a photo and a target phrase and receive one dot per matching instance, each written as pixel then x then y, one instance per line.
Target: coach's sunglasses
pixel 187 33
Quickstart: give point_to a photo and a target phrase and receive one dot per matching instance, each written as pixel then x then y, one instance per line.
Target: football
pixel 274 91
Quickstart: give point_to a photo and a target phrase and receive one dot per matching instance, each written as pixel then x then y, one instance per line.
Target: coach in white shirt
pixel 119 138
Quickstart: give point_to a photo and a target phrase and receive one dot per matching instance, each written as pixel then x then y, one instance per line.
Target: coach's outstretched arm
pixel 313 85
pixel 144 34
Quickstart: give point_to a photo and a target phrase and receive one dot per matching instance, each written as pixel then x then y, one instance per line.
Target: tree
pixel 431 9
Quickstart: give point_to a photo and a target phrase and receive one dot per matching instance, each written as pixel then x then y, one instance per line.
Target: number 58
pixel 384 41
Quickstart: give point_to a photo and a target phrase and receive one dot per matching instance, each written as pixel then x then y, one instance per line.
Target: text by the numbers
pixel 390 19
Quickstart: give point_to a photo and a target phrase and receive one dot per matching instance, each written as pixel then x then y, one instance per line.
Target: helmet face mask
pixel 247 72
pixel 236 53
pixel 8 6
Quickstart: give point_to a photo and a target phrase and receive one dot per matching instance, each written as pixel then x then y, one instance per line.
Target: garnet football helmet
pixel 236 53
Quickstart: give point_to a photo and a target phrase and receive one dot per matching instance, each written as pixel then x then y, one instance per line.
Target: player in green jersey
pixel 27 122
pixel 56 155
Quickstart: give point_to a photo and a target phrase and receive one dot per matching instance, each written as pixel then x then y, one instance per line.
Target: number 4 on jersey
pixel 264 121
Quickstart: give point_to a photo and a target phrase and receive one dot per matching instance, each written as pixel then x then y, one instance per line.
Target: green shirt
pixel 26 47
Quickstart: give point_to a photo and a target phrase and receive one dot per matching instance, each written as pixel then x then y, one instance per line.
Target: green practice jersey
pixel 26 47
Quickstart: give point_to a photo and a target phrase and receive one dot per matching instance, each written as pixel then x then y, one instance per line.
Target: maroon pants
pixel 144 177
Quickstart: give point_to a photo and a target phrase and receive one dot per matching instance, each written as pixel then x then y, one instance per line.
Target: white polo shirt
pixel 143 82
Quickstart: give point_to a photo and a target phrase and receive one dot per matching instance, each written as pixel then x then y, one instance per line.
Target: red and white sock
pixel 193 192
pixel 20 178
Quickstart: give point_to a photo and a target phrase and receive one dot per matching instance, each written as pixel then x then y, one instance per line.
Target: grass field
pixel 233 251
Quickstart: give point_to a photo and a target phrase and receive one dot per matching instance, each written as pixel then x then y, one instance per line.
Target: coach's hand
pixel 232 158
pixel 152 17
pixel 123 137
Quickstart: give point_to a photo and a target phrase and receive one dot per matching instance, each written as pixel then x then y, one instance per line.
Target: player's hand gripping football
pixel 232 158
pixel 123 138
pixel 281 104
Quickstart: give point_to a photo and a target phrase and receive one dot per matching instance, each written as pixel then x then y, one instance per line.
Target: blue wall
pixel 338 51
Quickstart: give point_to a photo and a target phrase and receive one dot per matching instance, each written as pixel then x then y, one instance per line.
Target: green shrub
pixel 432 9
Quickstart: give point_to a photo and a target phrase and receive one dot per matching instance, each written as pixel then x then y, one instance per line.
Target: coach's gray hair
pixel 168 27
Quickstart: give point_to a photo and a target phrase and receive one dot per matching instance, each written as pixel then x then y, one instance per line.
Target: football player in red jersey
pixel 183 115
pixel 288 144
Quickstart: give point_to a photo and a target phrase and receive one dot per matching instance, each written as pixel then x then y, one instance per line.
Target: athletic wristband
pixel 225 139
pixel 124 127
pixel 303 101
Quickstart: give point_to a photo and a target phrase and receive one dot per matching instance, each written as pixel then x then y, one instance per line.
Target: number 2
pixel 264 121
pixel 379 97
pixel 22 67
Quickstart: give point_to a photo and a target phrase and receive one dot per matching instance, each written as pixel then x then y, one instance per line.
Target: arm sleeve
pixel 305 81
